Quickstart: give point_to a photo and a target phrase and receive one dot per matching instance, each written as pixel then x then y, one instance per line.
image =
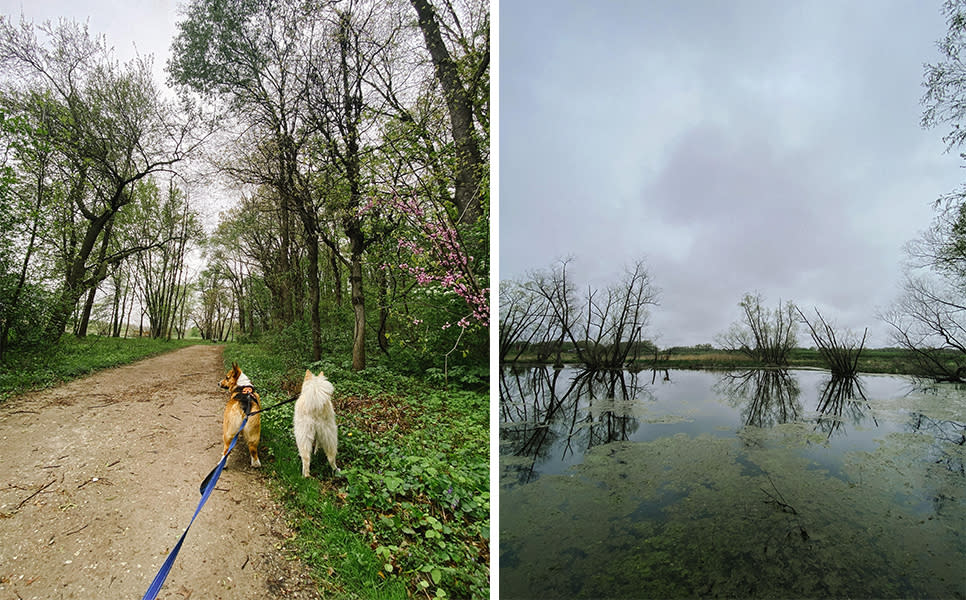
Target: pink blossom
pixel 440 249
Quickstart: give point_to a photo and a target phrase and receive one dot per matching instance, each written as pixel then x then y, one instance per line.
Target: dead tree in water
pixel 763 335
pixel 604 328
pixel 614 321
pixel 841 354
pixel 523 316
pixel 556 292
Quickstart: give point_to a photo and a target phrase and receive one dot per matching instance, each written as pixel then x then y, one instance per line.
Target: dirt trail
pixel 99 477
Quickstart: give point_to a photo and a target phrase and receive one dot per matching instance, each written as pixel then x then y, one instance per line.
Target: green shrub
pixel 409 514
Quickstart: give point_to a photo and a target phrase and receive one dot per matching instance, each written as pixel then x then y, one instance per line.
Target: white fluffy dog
pixel 315 420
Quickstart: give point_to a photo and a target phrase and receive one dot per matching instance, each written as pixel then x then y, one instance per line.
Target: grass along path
pixel 409 515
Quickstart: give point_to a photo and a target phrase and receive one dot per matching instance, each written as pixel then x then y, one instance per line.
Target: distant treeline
pixel 706 356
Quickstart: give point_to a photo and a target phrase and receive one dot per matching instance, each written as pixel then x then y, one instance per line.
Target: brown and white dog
pixel 242 400
pixel 314 421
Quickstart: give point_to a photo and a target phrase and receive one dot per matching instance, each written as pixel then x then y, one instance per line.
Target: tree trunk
pixel 101 276
pixel 85 317
pixel 336 276
pixel 74 282
pixel 383 312
pixel 285 268
pixel 469 160
pixel 312 237
pixel 358 300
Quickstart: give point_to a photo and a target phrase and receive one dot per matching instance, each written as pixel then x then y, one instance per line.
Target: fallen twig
pixel 27 499
pixel 77 530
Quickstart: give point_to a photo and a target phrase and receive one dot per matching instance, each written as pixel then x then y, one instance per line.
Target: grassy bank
pixel 409 514
pixel 883 360
pixel 71 358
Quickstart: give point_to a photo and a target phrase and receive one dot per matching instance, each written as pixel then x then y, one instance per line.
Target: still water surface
pixel 751 484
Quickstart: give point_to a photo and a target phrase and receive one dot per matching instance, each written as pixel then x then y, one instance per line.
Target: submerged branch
pixel 779 500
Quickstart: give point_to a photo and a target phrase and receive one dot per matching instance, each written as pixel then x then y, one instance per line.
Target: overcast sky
pixel 738 146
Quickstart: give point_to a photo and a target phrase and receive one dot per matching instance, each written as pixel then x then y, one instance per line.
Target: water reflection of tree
pixel 842 397
pixel 610 396
pixel 945 432
pixel 528 401
pixel 594 410
pixel 768 396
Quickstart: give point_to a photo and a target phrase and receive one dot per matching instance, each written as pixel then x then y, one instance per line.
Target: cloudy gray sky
pixel 737 146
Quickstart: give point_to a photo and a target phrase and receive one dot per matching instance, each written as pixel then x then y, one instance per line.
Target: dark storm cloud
pixel 739 146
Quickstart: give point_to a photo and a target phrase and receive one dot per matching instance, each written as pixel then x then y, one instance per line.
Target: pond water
pixel 706 484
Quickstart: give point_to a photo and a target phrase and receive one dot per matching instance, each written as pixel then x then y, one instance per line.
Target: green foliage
pixel 291 343
pixel 211 52
pixel 24 317
pixel 410 513
pixel 70 358
pixel 89 133
pixel 424 339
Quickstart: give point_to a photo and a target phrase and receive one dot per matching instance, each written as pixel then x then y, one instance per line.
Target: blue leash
pixel 211 480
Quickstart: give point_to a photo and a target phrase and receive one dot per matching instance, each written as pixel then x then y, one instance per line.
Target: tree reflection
pixel 612 397
pixel 528 403
pixel 597 407
pixel 840 399
pixel 766 397
pixel 946 433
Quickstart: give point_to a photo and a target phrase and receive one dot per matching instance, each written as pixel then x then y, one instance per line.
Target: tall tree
pixel 114 129
pixel 337 96
pixel 459 91
pixel 929 317
pixel 243 54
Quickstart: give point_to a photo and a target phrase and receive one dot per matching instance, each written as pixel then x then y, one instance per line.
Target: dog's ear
pixel 235 370
pixel 308 375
